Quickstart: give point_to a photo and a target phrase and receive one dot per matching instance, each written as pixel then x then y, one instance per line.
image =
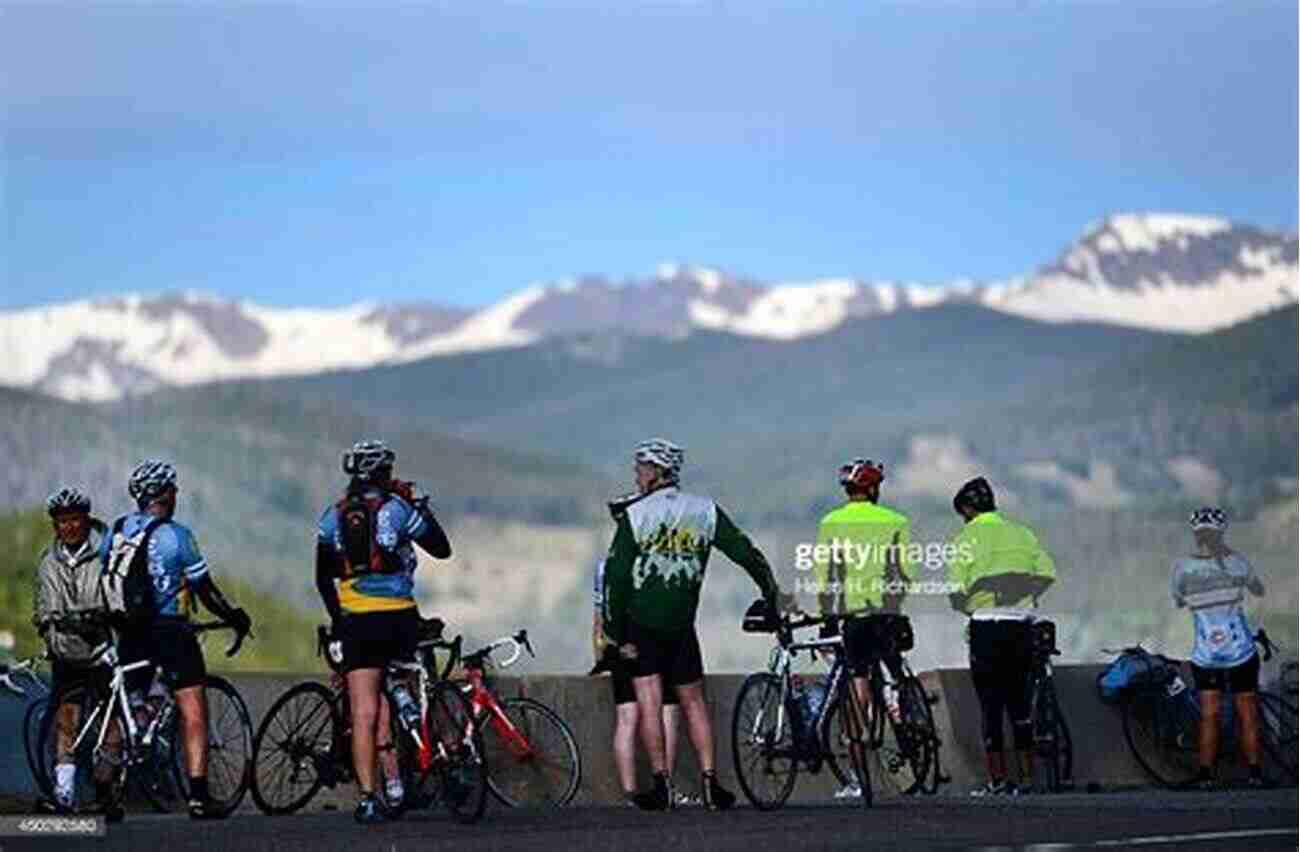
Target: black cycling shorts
pixel 1239 678
pixel 624 693
pixel 372 640
pixel 65 675
pixel 167 643
pixel 866 643
pixel 675 657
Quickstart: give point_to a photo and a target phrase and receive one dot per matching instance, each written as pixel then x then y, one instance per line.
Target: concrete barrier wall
pixel 1100 751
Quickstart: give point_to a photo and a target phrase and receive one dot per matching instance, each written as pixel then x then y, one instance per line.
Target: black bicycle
pixel 305 741
pixel 1053 747
pixel 1162 718
pixel 769 738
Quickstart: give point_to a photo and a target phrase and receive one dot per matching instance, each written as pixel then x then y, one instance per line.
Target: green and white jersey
pixel 656 563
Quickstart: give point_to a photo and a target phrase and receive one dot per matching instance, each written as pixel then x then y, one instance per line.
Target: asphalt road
pixel 1146 819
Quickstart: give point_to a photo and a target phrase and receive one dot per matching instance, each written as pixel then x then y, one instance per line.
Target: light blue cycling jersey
pixel 174 561
pixel 1214 593
pixel 397 526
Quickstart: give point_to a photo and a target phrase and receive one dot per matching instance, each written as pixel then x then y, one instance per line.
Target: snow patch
pixel 791 311
pixel 1196 478
pixel 1099 490
pixel 1143 232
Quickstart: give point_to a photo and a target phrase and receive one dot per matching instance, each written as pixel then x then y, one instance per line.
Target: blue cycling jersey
pixel 174 562
pixel 397 526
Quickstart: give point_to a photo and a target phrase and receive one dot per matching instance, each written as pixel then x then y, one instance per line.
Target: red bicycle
pixel 532 756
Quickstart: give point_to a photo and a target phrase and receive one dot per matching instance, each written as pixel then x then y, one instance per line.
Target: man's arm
pixel 207 591
pixel 829 574
pixel 45 602
pixel 892 601
pixel 728 538
pixel 618 582
pixel 958 571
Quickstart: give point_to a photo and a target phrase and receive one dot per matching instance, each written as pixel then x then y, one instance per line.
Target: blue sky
pixel 316 153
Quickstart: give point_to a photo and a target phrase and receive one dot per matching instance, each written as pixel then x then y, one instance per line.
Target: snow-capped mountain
pixel 1167 272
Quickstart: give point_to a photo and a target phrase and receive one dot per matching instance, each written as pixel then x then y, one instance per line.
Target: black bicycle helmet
pixel 976 494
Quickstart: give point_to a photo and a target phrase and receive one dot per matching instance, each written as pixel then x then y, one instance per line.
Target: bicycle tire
pixel 532 719
pixel 33 716
pixel 756 739
pixel 460 769
pixel 303 740
pixel 907 765
pixel 1278 734
pixel 1053 746
pixel 230 747
pixel 1162 735
pixel 100 774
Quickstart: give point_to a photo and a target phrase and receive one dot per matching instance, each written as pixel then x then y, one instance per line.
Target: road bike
pixel 1053 746
pixel 20 678
pixel 532 755
pixel 112 740
pixel 1162 716
pixel 305 741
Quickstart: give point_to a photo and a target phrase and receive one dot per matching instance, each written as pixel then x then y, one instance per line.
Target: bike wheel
pixel 762 743
pixel 1277 734
pixel 32 718
pixel 294 750
pixel 1162 734
pixel 532 758
pixel 99 770
pixel 459 769
pixel 1053 748
pixel 161 776
pixel 905 754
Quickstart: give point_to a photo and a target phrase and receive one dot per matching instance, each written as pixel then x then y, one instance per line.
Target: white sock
pixel 394 790
pixel 65 778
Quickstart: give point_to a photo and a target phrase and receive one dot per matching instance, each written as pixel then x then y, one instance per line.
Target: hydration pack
pixel 126 584
pixel 358 518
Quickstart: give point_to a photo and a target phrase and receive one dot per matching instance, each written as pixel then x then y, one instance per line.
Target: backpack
pixel 358 519
pixel 1133 669
pixel 126 585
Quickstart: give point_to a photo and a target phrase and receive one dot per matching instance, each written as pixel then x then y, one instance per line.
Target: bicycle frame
pixel 484 702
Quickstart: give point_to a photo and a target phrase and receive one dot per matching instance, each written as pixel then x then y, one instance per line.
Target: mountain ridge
pixel 1154 271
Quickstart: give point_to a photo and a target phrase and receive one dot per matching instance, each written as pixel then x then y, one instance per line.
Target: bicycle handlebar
pixel 517 643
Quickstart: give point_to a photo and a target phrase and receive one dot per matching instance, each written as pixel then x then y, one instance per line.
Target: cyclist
pixel 67 585
pixel 654 573
pixel 1000 570
pixel 625 710
pixel 365 567
pixel 1212 583
pixel 862 563
pixel 158 630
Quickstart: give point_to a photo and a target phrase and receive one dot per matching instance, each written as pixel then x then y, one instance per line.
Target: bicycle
pixel 308 732
pixel 114 741
pixel 25 670
pixel 1162 715
pixel 769 738
pixel 532 755
pixel 1053 747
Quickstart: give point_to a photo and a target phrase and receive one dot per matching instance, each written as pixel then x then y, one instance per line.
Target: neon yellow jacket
pixel 998 563
pixel 871 538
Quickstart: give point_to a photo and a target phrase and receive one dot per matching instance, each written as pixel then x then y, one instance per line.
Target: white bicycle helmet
pixel 1208 518
pixel 151 479
pixel 662 453
pixel 366 458
pixel 67 499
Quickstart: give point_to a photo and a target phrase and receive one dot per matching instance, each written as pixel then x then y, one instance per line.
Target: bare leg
pixel 698 725
pixel 1209 739
pixel 1247 708
pixel 625 745
pixel 671 716
pixel 363 691
pixel 649 701
pixel 193 704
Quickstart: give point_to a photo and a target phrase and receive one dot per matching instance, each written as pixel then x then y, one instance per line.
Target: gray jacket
pixel 67 583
